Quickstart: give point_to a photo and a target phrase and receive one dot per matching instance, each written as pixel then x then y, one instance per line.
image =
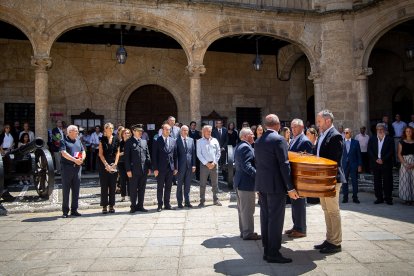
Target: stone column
pixel 195 72
pixel 42 65
pixel 317 83
pixel 361 88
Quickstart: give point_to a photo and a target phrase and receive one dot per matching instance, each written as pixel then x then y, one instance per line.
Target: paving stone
pixel 113 264
pixel 373 256
pixel 378 236
pixel 160 263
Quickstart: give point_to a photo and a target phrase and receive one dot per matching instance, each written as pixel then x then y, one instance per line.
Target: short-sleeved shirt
pixel 406 148
pixel 72 147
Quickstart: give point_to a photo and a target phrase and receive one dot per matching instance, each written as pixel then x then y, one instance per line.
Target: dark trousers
pixel 365 161
pixel 353 172
pixel 123 178
pixel 137 185
pixel 108 187
pixel 299 214
pixel 71 176
pixel 184 179
pixel 88 158
pixel 197 172
pixel 272 215
pixel 164 184
pixel 383 182
pixel 222 162
pixel 93 160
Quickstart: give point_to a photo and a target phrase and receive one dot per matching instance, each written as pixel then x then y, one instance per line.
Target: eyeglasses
pixel 347 132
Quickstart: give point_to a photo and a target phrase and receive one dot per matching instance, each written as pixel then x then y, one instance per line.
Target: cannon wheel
pixel 1 176
pixel 43 172
pixel 230 165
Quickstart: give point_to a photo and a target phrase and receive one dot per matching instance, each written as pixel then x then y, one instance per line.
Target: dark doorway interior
pixel 253 115
pixel 402 103
pixel 150 104
pixel 22 112
pixel 310 110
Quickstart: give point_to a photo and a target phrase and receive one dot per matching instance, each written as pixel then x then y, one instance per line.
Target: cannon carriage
pixel 32 160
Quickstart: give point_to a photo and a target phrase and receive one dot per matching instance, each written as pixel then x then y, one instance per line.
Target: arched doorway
pixel 150 104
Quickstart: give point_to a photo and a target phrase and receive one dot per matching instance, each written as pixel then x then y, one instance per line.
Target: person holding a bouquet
pixel 73 155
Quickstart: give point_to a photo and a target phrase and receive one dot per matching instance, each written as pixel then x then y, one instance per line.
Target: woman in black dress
pixel 233 134
pixel 109 156
pixel 406 157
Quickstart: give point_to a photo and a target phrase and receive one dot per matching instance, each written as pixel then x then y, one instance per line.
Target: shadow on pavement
pixel 250 258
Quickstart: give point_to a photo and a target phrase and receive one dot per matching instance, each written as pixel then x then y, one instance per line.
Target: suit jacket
pixel 244 177
pixel 223 139
pixel 302 144
pixel 164 157
pixel 331 148
pixel 186 158
pixel 272 164
pixel 387 151
pixel 353 156
pixel 196 135
pixel 137 157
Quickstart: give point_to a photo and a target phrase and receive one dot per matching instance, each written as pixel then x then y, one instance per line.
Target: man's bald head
pixel 272 122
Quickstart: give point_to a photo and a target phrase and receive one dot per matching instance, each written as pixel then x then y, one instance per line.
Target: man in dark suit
pixel 220 133
pixel 272 181
pixel 195 134
pixel 244 183
pixel 329 145
pixel 351 164
pixel 381 155
pixel 164 162
pixel 186 155
pixel 299 143
pixel 137 166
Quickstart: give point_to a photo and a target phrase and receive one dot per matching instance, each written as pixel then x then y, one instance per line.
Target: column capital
pixel 41 63
pixel 361 73
pixel 195 70
pixel 315 76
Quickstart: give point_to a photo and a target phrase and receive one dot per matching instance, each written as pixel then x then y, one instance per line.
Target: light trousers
pixel 245 206
pixel 330 207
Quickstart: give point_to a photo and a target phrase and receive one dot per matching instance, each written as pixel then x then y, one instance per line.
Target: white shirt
pixel 380 143
pixel 208 150
pixel 8 141
pixel 321 138
pixel 398 128
pixel 411 124
pixel 363 141
pixel 293 141
pixel 95 139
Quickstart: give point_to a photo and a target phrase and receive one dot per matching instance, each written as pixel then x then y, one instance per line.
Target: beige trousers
pixel 330 207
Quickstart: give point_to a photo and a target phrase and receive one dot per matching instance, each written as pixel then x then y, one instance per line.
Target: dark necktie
pixel 185 144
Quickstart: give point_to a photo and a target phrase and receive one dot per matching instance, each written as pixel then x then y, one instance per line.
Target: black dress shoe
pixel 180 206
pixel 159 209
pixel 142 209
pixel 330 249
pixel 201 205
pixel 188 205
pixel 132 210
pixel 65 216
pixel 389 202
pixel 278 259
pixel 345 200
pixel 168 207
pixel 356 200
pixel 75 214
pixel 378 201
pixel 264 257
pixel 322 245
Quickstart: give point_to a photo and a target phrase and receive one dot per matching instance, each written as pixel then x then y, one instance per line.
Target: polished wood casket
pixel 313 176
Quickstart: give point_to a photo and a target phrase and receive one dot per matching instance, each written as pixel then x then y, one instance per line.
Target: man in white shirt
pixel 398 126
pixel 363 139
pixel 94 140
pixel 27 130
pixel 208 152
pixel 411 124
pixel 6 140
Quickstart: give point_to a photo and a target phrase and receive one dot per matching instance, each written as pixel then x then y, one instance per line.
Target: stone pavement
pixel 377 240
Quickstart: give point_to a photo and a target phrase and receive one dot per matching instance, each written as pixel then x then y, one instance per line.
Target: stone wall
pixel 88 76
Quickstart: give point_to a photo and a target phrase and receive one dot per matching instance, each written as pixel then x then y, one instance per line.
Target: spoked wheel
pixel 43 173
pixel 230 165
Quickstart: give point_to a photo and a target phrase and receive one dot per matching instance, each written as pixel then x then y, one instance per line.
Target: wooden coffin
pixel 313 176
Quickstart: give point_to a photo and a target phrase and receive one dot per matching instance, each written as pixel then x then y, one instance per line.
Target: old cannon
pixel 33 161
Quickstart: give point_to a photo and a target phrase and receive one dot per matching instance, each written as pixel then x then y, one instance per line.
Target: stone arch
pixel 274 29
pixel 164 81
pixel 182 35
pixel 393 17
pixel 286 59
pixel 20 21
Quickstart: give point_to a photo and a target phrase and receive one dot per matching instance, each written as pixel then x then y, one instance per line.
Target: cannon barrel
pixel 37 143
